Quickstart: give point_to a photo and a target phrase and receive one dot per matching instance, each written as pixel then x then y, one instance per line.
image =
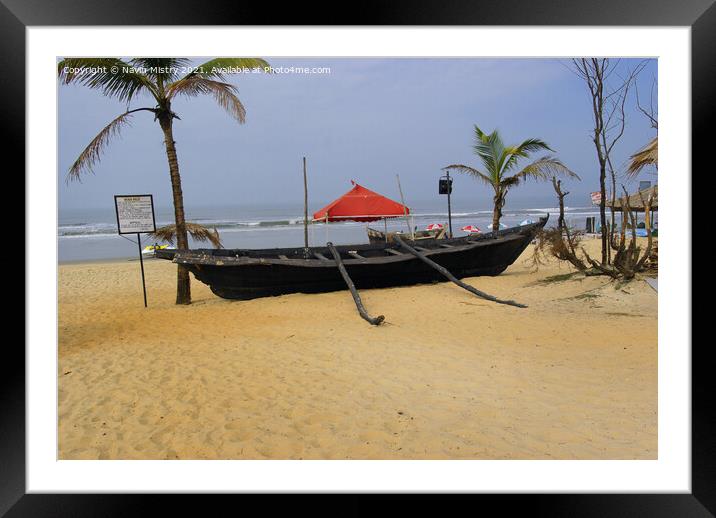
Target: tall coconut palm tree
pixel 164 79
pixel 500 161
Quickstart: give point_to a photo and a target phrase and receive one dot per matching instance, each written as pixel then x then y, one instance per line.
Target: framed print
pixel 382 259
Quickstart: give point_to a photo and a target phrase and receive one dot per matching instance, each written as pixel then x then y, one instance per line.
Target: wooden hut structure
pixel 637 201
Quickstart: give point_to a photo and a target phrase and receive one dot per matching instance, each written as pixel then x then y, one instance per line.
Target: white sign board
pixel 135 213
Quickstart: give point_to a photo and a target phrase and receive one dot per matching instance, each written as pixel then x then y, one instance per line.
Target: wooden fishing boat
pixel 377 236
pixel 248 274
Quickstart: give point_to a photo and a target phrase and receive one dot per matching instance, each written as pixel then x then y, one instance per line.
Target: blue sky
pixel 368 120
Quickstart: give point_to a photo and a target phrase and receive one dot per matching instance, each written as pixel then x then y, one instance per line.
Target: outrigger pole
pixel 454 279
pixel 356 298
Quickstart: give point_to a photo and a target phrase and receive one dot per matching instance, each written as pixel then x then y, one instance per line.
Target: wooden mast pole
pixel 405 210
pixel 305 206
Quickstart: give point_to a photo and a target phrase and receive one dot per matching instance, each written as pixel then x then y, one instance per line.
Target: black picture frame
pixel 700 15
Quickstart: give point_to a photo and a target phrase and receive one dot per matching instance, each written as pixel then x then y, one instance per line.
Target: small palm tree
pixel 500 160
pixel 164 80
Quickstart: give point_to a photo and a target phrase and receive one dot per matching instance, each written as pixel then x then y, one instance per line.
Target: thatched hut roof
pixel 649 155
pixel 635 200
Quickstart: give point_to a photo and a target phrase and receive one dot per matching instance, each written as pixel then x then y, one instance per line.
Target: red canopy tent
pixel 360 204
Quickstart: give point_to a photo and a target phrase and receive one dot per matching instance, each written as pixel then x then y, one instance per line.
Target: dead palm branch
pixel 649 155
pixel 197 232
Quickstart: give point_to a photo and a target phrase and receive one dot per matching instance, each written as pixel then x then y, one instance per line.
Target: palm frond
pixel 198 232
pixel 531 145
pixel 162 70
pixel 471 171
pixel 544 169
pixel 509 181
pixel 649 155
pixel 499 152
pixel 512 154
pixel 92 153
pixel 488 148
pixel 114 77
pixel 479 134
pixel 219 68
pixel 528 146
pixel 224 94
pixel 523 150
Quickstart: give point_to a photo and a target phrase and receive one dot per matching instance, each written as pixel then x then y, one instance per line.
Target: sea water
pixel 91 234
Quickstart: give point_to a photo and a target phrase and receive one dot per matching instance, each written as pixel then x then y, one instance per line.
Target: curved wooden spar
pixel 454 279
pixel 356 298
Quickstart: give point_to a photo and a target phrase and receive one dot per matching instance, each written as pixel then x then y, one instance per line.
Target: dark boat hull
pixel 244 274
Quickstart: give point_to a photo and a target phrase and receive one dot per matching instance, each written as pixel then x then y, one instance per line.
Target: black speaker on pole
pixel 445 187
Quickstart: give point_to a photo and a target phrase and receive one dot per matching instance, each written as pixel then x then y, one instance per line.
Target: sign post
pixel 135 215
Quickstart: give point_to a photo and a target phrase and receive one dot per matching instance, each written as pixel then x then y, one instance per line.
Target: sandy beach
pixel 448 376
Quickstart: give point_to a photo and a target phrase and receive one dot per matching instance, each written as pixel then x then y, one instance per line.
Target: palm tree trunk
pixel 497 210
pixel 183 282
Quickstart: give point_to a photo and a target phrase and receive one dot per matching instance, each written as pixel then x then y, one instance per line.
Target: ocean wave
pixel 78 229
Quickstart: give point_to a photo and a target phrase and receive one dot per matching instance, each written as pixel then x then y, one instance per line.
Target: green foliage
pixel 499 160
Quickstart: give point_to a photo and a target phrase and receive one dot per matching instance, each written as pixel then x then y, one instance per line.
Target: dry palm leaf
pixel 198 232
pixel 649 155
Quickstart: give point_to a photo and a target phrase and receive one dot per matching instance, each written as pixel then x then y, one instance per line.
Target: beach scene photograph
pixel 378 258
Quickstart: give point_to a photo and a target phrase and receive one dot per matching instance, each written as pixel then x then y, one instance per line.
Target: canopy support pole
pixel 450 276
pixel 356 298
